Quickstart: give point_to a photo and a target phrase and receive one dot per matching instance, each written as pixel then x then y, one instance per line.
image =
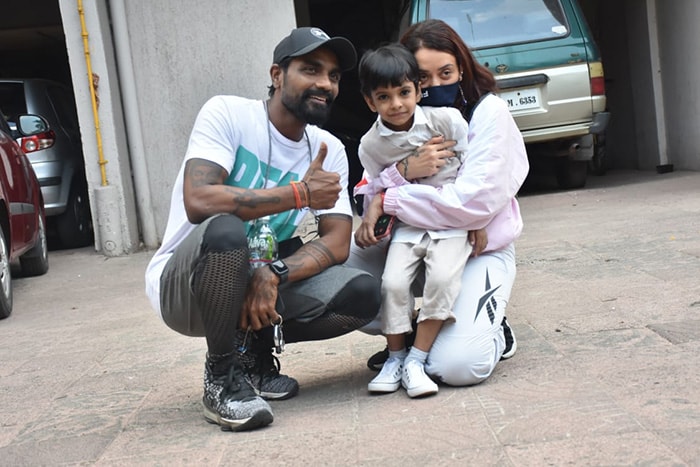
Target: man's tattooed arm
pixel 332 247
pixel 206 195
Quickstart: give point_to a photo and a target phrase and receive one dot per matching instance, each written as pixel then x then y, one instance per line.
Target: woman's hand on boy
pixel 478 240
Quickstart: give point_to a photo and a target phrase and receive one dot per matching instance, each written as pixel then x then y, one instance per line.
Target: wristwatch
pixel 280 269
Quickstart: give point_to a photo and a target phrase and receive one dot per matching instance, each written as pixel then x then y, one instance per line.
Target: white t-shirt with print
pixel 234 133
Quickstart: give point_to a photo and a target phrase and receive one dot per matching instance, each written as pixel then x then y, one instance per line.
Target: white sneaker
pixel 389 379
pixel 416 382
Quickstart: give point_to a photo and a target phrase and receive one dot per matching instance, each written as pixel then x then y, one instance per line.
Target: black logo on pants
pixel 487 300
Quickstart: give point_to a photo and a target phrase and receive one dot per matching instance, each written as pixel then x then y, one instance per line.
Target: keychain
pixel 278 336
pixel 243 347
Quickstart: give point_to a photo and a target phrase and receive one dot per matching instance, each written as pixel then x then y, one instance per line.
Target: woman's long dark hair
pixel 435 34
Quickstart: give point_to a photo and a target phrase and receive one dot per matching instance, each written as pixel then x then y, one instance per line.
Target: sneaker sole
pixel 422 391
pixel 276 396
pixel 258 420
pixel 510 353
pixel 383 387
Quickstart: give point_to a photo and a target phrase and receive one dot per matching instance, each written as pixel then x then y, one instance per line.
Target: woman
pixel 483 196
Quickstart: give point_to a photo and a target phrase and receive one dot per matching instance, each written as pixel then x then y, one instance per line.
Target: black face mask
pixel 440 96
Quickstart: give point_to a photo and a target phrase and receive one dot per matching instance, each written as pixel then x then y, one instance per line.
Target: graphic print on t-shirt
pixel 249 172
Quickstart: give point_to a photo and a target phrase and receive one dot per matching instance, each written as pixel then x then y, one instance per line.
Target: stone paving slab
pixel 606 309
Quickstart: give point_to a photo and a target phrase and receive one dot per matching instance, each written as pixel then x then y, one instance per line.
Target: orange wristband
pixel 297 198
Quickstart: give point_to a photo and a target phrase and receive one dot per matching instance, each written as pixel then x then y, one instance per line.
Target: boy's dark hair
pixel 389 65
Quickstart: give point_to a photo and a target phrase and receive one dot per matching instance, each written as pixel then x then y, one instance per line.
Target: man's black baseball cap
pixel 301 41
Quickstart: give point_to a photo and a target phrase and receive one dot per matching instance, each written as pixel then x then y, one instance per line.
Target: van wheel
pixel 74 226
pixel 35 262
pixel 599 164
pixel 571 174
pixel 5 279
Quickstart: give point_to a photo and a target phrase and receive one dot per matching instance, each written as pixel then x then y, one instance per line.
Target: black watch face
pixel 279 268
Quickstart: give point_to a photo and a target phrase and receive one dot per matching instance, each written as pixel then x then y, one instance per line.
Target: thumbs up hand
pixel 324 187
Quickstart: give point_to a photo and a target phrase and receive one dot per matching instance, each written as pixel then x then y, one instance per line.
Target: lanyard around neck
pixel 269 144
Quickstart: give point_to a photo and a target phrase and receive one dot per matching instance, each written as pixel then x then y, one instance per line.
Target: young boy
pixel 389 80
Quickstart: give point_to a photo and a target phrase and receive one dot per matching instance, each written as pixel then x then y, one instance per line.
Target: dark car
pixel 56 155
pixel 22 222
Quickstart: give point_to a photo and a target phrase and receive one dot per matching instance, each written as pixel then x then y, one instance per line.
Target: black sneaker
pixel 262 368
pixel 511 344
pixel 230 402
pixel 376 361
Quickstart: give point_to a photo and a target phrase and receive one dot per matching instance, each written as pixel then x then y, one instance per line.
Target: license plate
pixel 522 99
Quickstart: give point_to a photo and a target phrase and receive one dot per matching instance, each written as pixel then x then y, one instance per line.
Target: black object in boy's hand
pixel 383 226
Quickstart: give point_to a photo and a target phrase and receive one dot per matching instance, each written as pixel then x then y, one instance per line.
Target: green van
pixel 548 69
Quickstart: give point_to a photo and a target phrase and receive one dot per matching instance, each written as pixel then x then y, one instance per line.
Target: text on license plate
pixel 522 99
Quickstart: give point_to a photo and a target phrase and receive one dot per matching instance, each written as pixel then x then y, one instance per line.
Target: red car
pixel 22 221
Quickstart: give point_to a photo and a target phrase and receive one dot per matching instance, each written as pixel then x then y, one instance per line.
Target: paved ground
pixel 606 309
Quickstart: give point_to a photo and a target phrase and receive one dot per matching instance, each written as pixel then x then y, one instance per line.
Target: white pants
pixel 465 352
pixel 443 262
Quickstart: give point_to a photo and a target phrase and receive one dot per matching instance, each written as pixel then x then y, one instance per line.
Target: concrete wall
pixel 679 37
pixel 641 112
pixel 184 52
pixel 122 223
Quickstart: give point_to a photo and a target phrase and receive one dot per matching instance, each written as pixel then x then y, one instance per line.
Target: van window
pixel 492 23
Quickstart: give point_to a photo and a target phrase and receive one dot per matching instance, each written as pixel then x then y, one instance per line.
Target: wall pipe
pixel 133 123
pixel 98 133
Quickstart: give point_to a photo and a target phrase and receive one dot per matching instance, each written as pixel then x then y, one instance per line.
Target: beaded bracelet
pixel 307 190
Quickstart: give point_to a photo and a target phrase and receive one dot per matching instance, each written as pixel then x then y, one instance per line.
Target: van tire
pixel 599 164
pixel 74 226
pixel 571 174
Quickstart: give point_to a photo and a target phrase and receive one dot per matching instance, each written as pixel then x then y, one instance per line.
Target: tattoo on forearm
pixel 331 216
pixel 321 254
pixel 249 199
pixel 202 173
pixel 317 252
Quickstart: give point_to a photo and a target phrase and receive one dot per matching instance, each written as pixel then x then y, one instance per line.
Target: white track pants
pixel 466 351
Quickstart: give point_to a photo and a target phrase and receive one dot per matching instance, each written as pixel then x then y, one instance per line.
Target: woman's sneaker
pixel 511 344
pixel 416 382
pixel 230 402
pixel 389 379
pixel 376 361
